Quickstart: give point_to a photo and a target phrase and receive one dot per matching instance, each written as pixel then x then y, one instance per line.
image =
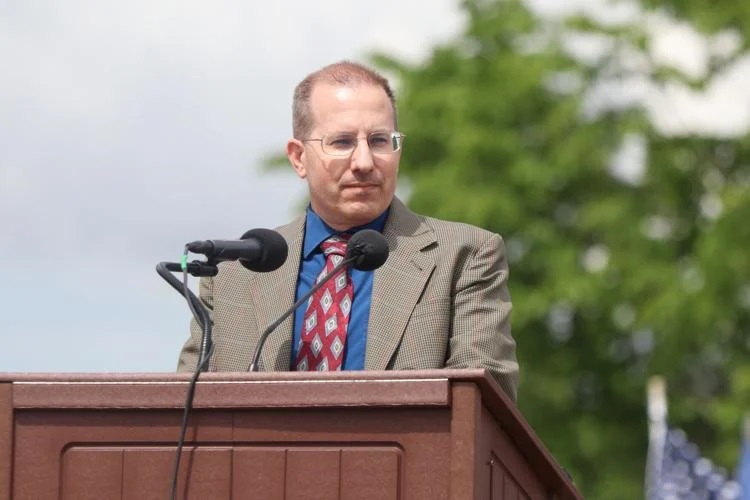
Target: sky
pixel 130 128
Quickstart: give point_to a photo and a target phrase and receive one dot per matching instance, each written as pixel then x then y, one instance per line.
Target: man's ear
pixel 295 151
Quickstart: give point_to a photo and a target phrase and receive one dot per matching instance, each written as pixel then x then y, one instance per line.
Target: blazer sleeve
pixel 481 335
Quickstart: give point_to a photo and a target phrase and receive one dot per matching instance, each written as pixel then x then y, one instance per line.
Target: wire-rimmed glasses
pixel 344 144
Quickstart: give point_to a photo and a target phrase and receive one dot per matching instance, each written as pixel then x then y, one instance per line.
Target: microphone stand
pixel 197 269
pixel 262 340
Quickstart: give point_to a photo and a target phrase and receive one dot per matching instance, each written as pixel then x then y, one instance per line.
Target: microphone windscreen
pixel 273 250
pixel 368 248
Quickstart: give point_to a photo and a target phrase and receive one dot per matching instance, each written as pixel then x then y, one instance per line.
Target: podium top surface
pixel 248 390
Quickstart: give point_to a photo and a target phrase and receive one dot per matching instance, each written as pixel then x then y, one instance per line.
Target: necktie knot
pixel 335 245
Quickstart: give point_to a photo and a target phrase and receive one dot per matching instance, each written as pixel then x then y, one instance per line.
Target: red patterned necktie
pixel 327 317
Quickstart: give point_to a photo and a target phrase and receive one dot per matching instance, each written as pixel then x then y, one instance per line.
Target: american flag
pixel 743 466
pixel 677 471
pixel 675 468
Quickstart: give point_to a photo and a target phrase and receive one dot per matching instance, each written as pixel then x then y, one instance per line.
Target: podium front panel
pixel 437 435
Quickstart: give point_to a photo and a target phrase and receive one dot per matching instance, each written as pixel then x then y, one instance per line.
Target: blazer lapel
pixel 273 295
pixel 398 284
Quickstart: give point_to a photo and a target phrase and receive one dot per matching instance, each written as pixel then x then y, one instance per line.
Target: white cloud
pixel 678 45
pixel 719 108
pixel 629 162
pixel 722 109
pixel 588 48
pixel 605 12
pixel 726 44
pixel 615 94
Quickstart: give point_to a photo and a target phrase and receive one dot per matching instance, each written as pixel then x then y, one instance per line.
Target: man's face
pixel 347 191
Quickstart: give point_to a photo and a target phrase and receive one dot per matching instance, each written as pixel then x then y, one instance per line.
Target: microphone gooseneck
pixel 366 251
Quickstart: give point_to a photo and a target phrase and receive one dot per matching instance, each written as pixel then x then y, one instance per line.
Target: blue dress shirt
pixel 312 262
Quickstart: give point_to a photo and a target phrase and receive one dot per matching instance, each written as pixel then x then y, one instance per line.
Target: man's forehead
pixel 329 100
pixel 342 91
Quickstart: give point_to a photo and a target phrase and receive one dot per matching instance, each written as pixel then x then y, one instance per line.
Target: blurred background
pixel 607 141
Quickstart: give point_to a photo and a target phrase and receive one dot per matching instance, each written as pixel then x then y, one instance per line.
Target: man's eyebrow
pixel 379 130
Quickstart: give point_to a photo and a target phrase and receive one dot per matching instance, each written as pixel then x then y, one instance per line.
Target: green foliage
pixel 611 281
pixel 708 15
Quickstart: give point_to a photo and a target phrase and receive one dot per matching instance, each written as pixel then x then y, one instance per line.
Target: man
pixel 441 298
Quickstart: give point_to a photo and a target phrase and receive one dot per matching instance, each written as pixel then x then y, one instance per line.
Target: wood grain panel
pixel 313 474
pixel 147 472
pixel 259 473
pixel 423 434
pixel 91 474
pixel 502 484
pixel 371 474
pixel 206 473
pixel 465 471
pixel 6 439
pixel 506 456
pixel 223 394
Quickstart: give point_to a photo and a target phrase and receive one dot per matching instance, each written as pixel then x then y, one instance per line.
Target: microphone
pixel 260 250
pixel 366 250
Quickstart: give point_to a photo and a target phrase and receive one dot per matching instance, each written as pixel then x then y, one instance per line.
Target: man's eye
pixel 340 142
pixel 379 139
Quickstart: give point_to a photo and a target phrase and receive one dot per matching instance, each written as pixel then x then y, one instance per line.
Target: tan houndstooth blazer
pixel 440 300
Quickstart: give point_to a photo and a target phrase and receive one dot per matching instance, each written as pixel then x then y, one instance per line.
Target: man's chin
pixel 362 212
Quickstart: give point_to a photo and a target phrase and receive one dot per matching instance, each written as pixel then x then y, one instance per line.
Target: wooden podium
pixel 422 435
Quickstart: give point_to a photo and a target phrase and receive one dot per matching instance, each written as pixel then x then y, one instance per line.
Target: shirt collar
pixel 317 231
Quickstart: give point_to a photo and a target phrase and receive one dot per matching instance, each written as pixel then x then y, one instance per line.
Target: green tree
pixel 613 279
pixel 707 15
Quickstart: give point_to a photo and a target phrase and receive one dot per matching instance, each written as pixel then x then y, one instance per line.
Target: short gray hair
pixel 340 73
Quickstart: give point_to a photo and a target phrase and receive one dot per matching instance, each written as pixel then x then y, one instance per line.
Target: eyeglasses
pixel 345 144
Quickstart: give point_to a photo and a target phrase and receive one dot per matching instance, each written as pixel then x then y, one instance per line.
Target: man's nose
pixel 362 156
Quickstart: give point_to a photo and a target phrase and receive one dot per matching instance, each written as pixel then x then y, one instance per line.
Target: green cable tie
pixel 183 262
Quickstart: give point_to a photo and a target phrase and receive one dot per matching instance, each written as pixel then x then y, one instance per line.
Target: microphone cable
pixel 203 319
pixel 205 353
